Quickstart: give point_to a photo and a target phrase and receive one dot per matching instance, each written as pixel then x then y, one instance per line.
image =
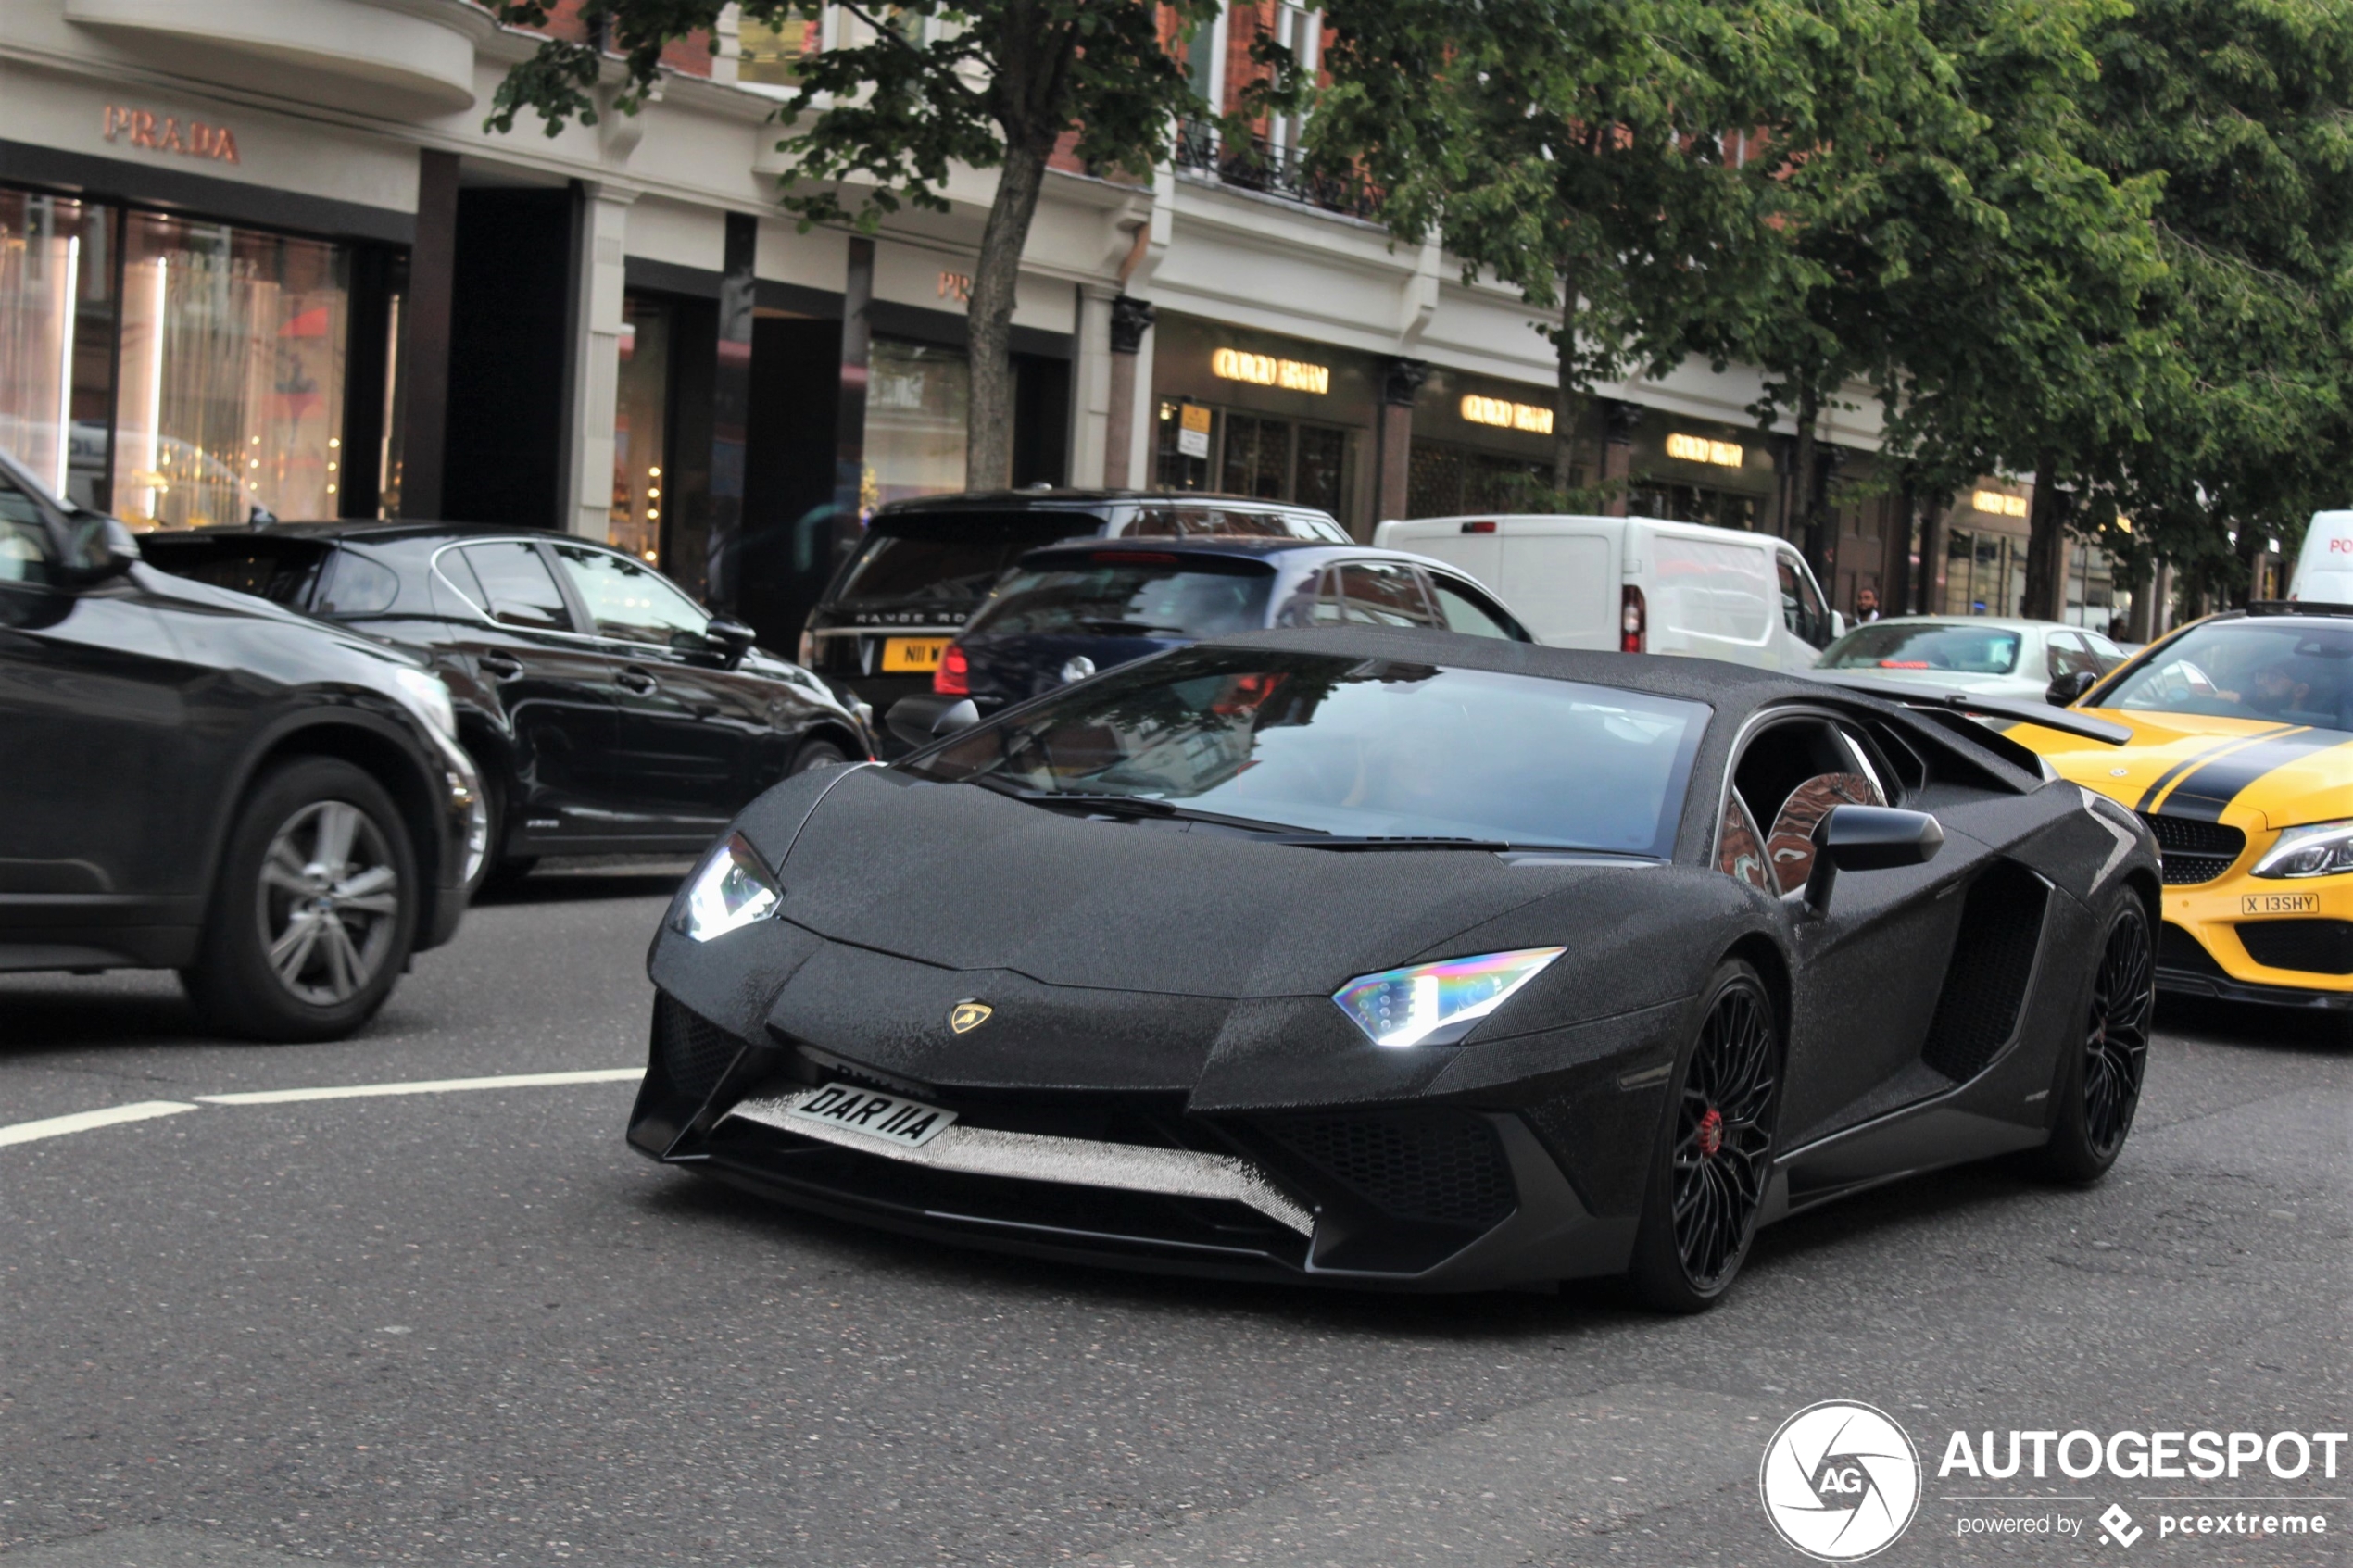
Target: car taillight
pixel 954 676
pixel 1632 619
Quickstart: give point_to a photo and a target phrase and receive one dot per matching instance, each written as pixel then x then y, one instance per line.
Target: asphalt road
pixel 472 1327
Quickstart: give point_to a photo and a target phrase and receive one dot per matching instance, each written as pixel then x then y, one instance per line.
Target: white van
pixel 2324 566
pixel 1639 584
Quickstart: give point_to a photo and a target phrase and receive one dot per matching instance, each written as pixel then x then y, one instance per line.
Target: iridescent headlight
pixel 1436 1004
pixel 728 891
pixel 2319 850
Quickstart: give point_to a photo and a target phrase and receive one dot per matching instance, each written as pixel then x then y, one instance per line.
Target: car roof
pixel 1999 623
pixel 371 530
pixel 1056 499
pixel 1237 547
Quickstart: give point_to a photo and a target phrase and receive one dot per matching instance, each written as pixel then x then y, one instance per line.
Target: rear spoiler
pixel 2064 720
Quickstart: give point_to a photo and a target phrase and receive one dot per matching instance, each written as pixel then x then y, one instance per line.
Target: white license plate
pixel 892 1117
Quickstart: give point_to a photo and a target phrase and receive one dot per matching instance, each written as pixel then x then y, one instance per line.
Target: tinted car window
pixel 2069 656
pixel 279 570
pixel 630 602
pixel 1384 594
pixel 949 560
pixel 1463 611
pixel 2284 672
pixel 24 539
pixel 1897 645
pixel 1181 522
pixel 1130 594
pixel 515 587
pixel 356 585
pixel 1357 746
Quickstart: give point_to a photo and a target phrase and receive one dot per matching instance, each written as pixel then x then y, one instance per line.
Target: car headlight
pixel 2318 850
pixel 729 890
pixel 1436 1004
pixel 429 696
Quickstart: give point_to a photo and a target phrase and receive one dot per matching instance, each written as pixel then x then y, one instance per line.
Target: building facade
pixel 266 261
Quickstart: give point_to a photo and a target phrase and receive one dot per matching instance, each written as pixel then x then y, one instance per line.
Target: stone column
pixel 1131 323
pixel 850 417
pixel 424 393
pixel 595 392
pixel 1401 383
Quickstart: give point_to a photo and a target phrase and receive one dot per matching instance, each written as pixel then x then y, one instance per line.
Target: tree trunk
pixel 2045 545
pixel 2140 581
pixel 1809 518
pixel 989 418
pixel 1568 399
pixel 1924 600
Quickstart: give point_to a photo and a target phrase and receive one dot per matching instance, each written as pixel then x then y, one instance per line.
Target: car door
pixel 100 787
pixel 553 686
pixel 695 741
pixel 1804 616
pixel 1854 1040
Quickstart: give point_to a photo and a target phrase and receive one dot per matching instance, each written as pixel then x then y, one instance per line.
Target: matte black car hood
pixel 963 877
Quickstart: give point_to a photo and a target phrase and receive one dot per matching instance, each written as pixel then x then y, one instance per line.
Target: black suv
pixel 924 566
pixel 606 712
pixel 199 781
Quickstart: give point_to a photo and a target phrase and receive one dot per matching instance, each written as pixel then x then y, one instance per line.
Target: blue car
pixel 1067 610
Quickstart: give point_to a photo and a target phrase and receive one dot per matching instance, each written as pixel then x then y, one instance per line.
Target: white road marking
pixel 142 1111
pixel 82 1121
pixel 427 1086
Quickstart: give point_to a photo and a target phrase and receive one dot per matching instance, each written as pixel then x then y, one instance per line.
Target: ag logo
pixel 1840 1481
pixel 967 1016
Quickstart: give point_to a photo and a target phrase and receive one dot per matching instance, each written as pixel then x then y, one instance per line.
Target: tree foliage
pixel 884 120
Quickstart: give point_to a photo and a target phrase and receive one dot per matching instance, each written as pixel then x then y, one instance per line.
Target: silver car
pixel 2021 661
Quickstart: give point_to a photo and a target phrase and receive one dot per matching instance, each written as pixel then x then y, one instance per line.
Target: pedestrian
pixel 1866 605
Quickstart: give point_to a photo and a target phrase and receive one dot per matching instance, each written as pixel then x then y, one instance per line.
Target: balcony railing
pixel 1258 164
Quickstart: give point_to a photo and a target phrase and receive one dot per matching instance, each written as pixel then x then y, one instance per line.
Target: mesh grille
pixel 1446 1169
pixel 2193 851
pixel 2176 949
pixel 694 1051
pixel 2315 947
pixel 2001 926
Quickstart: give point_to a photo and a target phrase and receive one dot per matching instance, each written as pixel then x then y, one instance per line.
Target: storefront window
pixel 56 339
pixel 1984 573
pixel 916 396
pixel 231 375
pixel 1442 480
pixel 1693 503
pixel 640 429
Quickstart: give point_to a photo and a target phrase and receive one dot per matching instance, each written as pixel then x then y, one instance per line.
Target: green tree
pixel 881 123
pixel 1618 163
pixel 2241 108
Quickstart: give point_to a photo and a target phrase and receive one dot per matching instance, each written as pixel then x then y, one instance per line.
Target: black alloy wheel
pixel 2099 1084
pixel 1708 1191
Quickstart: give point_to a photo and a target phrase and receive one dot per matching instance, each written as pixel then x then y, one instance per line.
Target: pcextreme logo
pixel 1841 1481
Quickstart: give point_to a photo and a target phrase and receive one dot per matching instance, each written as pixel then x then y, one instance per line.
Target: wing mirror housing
pixel 1867 838
pixel 2066 690
pixel 927 716
pixel 729 638
pixel 100 548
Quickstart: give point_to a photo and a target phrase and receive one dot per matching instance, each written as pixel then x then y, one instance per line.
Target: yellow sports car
pixel 2242 764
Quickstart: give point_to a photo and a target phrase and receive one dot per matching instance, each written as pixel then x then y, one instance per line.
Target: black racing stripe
pixel 2204 792
pixel 2149 799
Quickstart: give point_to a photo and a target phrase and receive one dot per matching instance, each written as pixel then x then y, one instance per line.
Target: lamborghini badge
pixel 966 1017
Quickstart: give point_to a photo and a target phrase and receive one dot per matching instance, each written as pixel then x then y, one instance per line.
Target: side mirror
pixel 1867 838
pixel 729 638
pixel 1838 625
pixel 2066 690
pixel 923 719
pixel 101 548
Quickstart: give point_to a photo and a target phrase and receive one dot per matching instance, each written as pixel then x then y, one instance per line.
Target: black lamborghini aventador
pixel 1404 960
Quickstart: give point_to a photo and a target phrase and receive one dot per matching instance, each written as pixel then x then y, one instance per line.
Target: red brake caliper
pixel 1711 1133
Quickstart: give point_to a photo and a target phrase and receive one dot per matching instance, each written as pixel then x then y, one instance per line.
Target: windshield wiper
pixel 1136 806
pixel 1133 628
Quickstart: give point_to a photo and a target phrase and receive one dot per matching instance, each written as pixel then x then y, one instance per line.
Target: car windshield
pixel 1964 651
pixel 1363 747
pixel 950 560
pixel 1129 592
pixel 2284 672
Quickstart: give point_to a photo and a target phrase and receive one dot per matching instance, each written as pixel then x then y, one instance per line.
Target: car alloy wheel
pixel 1724 1135
pixel 2116 1040
pixel 330 899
